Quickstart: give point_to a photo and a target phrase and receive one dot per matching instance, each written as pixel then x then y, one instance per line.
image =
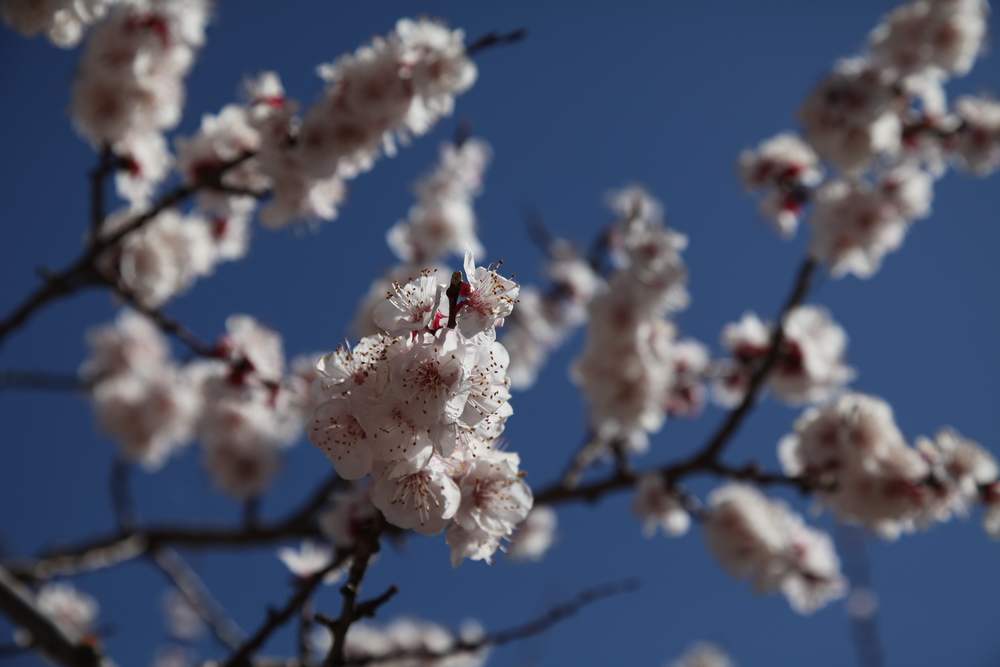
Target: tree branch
pixel 533 627
pixel 705 460
pixel 278 617
pixel 83 271
pixel 492 39
pixel 105 551
pixel 366 547
pixel 121 496
pixel 17 602
pixel 199 598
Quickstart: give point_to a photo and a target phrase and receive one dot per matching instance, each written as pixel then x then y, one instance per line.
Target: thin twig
pixel 102 552
pixel 278 617
pixel 106 164
pixel 864 623
pixel 165 323
pixel 82 272
pixel 199 598
pixel 533 627
pixel 706 460
pixel 492 39
pixel 121 496
pixel 17 602
pixel 366 547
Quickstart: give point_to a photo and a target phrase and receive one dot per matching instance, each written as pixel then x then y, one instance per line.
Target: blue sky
pixel 598 96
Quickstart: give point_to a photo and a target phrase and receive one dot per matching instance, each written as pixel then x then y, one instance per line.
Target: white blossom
pixel 162 258
pixel 74 612
pixel 866 473
pixel 849 118
pixel 488 299
pixel 534 536
pixel 183 621
pixel 417 494
pixel 944 36
pixel 63 21
pixel 810 366
pixel 344 521
pixel 977 143
pixel 149 415
pixel 783 168
pixel 131 76
pixel 703 654
pixel 309 559
pixel 659 507
pixel 764 542
pixel 131 344
pixel 443 221
pixel 393 88
pixel 855 225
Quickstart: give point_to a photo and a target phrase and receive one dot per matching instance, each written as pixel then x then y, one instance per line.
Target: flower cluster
pixel 130 85
pixel 864 471
pixel 389 90
pixel 405 637
pixel 939 37
pixel 627 368
pixel 882 119
pixel 393 88
pixel 63 21
pixel 545 319
pixel 783 169
pixel 441 223
pixel 659 507
pixel 142 400
pixel 309 559
pixel 165 256
pixel 764 542
pixel 810 365
pixel 420 405
pixel 240 405
pixel 856 224
pixel 73 612
pixel 977 142
pixel 534 536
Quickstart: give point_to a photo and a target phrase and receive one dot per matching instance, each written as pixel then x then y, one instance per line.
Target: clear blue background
pixel 601 94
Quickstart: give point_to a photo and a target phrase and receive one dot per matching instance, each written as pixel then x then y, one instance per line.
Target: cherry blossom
pixel 977 145
pixel 149 415
pixel 659 507
pixel 849 118
pixel 443 221
pixel 783 168
pixel 131 344
pixel 764 542
pixel 309 559
pixel 534 536
pixel 351 510
pixel 488 299
pixel 131 77
pixel 183 621
pixel 543 320
pixel 63 21
pixel 810 367
pixel 944 37
pixel 418 495
pixel 866 473
pixel 74 612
